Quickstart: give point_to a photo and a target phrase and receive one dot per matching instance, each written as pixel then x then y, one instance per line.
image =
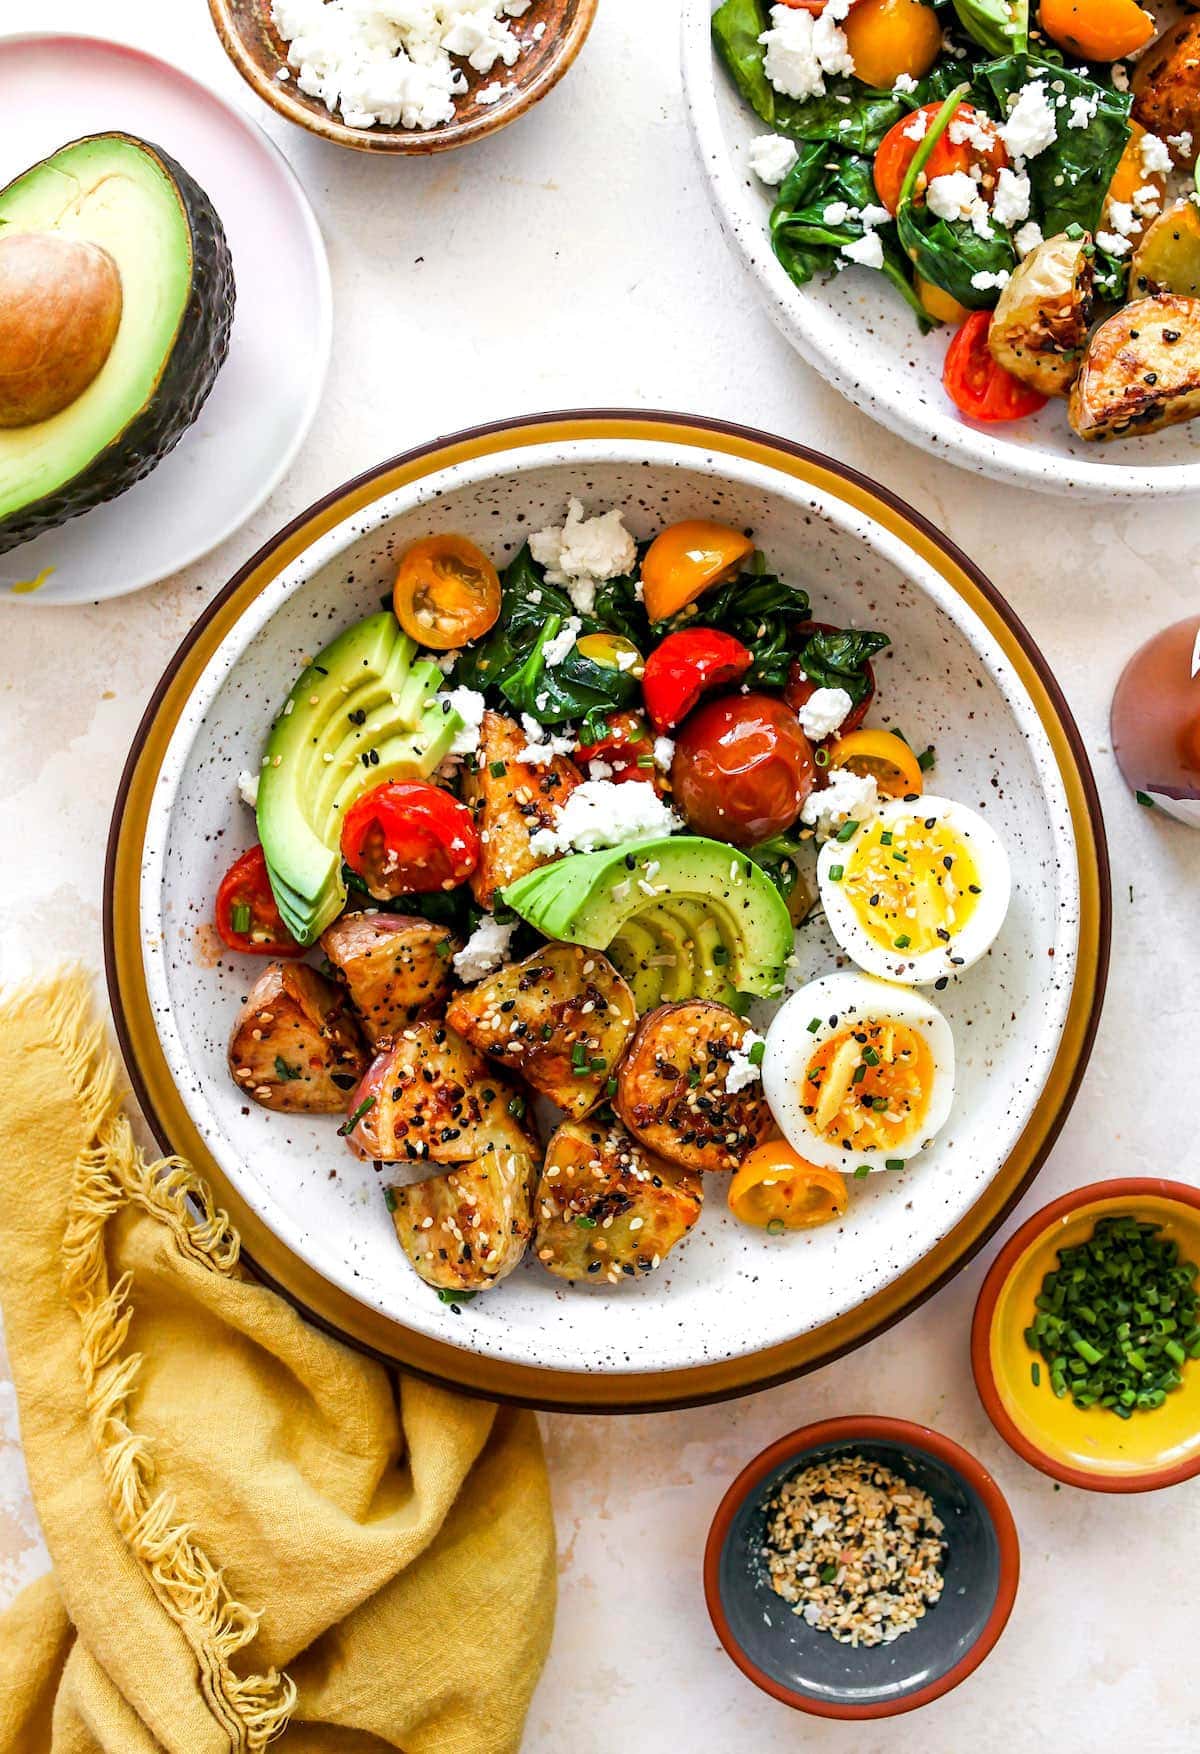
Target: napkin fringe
pixel 111 1172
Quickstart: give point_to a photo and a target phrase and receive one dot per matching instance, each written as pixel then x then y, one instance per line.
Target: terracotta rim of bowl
pixel 405 142
pixel 852 1429
pixel 1130 1188
pixel 458 1367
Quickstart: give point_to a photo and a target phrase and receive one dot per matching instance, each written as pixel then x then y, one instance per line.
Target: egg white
pixel 968 942
pixel 833 1003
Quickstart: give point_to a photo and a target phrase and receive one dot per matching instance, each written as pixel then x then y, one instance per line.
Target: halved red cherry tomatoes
pixel 627 749
pixel 685 666
pixel 742 769
pixel 978 386
pixel 408 838
pixel 800 688
pixel 246 914
pixel 970 142
pixel 447 592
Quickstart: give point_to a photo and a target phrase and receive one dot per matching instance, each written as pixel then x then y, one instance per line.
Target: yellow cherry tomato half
pixel 613 652
pixel 776 1189
pixel 885 757
pixel 1097 30
pixel 447 592
pixel 891 37
pixel 685 559
pixel 942 307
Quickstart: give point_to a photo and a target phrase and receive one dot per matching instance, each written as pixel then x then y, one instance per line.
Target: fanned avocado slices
pixel 116 301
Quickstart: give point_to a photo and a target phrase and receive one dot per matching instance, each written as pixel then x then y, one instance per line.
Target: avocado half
pixel 130 200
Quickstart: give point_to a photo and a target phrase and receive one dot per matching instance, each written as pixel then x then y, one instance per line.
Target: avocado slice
pixel 129 200
pixel 360 713
pixel 593 896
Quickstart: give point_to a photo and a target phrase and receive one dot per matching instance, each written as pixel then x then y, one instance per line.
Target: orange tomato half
pixel 885 757
pixel 777 1189
pixel 891 37
pixel 447 592
pixel 685 559
pixel 899 146
pixel 1097 30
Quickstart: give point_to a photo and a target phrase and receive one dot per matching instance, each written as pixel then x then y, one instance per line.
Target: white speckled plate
pixel 731 1305
pixel 861 337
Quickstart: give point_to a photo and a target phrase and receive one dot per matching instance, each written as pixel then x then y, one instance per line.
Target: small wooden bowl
pixel 258 52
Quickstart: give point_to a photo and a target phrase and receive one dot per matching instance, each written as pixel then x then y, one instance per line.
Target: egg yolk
pixel 912 886
pixel 867 1088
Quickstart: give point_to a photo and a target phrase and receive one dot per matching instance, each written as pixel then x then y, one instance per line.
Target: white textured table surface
pixel 570 262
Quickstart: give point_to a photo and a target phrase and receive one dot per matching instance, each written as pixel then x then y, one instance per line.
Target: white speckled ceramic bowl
pixel 861 337
pixel 732 1307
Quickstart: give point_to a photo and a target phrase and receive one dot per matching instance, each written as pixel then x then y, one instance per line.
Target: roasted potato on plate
pixel 605 1208
pixel 295 1045
pixel 394 966
pixel 1167 259
pixel 467 1229
pixel 1141 370
pixel 1041 321
pixel 671 1088
pixel 562 1018
pixel 430 1097
pixel 1166 85
pixel 511 799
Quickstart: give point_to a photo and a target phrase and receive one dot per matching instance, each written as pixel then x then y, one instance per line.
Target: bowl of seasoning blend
pixel 1086 1339
pixel 861 1567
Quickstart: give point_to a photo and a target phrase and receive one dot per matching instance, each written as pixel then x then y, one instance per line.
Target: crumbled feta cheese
pixel 1083 110
pixel 664 753
pixel 1147 200
pixel 485 950
pixel 772 157
pixel 837 213
pixel 917 126
pixel 742 1070
pixel 823 712
pixel 247 788
pixel 393 61
pixel 867 250
pixel 1120 76
pixel 600 770
pixel 873 216
pixel 801 50
pixel 556 649
pixel 1010 202
pixel 967 131
pixel 1121 218
pixel 602 813
pixel 1180 144
pixel 542 745
pixel 1113 243
pixel 849 797
pixel 904 85
pixel 584 552
pixel 1028 239
pixel 953 196
pixel 490 94
pixel 1154 156
pixel 470 706
pixel 1031 126
pixel 446 661
pixel 983 281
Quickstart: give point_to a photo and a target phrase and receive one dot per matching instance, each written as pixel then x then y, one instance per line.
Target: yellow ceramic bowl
pixel 1084 1447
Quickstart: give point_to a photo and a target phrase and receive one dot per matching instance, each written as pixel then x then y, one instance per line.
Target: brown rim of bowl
pixel 853 1428
pixel 633 419
pixel 1122 1188
pixel 403 142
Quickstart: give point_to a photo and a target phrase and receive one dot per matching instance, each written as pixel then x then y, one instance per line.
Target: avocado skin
pixel 188 375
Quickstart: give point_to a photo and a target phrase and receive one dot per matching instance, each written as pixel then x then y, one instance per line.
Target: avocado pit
pixel 60 309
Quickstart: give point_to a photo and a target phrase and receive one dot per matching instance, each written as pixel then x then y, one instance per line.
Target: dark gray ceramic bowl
pixel 807 1668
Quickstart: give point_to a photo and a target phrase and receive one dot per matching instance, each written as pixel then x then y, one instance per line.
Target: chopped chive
pixel 836 873
pixel 1035 1372
pixel 757 1050
pixel 610 1087
pixel 814 1025
pixel 516 1108
pixel 498 769
pixel 863 1169
pixel 927 758
pixel 349 1124
pixel 389 1199
pixel 821 757
pixel 903 941
pixel 720 954
pixel 885 839
pixel 847 831
pixel 893 1163
pixel 585 1223
pixel 241 918
pixel 775 1227
pixel 1145 799
pixel 284 1071
pixel 443 949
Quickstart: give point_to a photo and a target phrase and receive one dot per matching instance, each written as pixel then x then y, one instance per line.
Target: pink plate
pixel 57 88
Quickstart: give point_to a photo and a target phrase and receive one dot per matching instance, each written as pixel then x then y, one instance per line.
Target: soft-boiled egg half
pixel 918 892
pixel 858 1073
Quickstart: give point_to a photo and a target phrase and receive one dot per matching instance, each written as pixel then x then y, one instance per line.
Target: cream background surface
pixel 572 262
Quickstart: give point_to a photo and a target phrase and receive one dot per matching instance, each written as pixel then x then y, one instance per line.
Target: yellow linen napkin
pixel 256 1531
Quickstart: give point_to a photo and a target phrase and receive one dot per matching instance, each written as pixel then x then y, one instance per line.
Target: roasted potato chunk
pixel 430 1097
pixel 511 799
pixel 1141 370
pixel 1041 322
pixel 1166 85
pixel 295 1045
pixel 467 1229
pixel 671 1088
pixel 1167 258
pixel 605 1208
pixel 394 967
pixel 562 1018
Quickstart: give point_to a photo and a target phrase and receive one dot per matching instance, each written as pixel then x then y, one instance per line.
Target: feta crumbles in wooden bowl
pixel 402 76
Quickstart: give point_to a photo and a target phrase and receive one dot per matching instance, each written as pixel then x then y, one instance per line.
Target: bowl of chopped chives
pixel 1086 1339
pixel 861 1567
